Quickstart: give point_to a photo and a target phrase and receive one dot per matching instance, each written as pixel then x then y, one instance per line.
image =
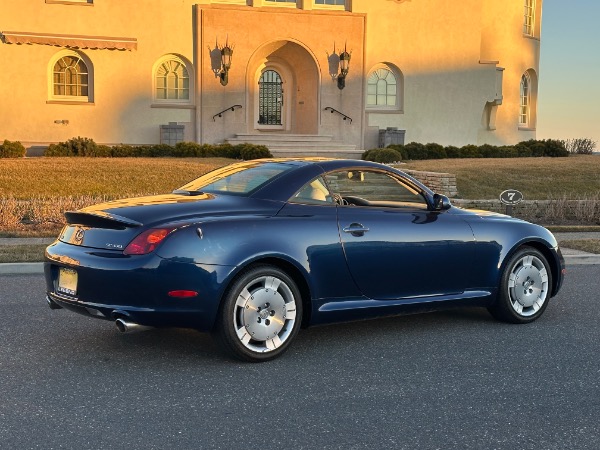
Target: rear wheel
pixel 260 314
pixel 524 288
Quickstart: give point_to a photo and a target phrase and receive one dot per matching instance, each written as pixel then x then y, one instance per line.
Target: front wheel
pixel 524 288
pixel 260 314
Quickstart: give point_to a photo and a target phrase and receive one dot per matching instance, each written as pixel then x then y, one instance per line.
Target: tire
pixel 525 287
pixel 260 314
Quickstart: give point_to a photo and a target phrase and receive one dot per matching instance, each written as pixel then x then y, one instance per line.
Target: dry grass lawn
pixel 585 245
pixel 22 253
pixel 577 176
pixel 34 192
pixel 99 177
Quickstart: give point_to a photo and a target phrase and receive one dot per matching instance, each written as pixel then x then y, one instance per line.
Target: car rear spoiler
pixel 100 220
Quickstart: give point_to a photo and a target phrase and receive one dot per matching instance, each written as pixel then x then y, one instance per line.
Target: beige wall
pixel 122 110
pixel 450 57
pixel 294 39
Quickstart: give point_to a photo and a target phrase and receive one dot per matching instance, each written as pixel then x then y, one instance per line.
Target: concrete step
pixel 281 137
pixel 322 153
pixel 293 145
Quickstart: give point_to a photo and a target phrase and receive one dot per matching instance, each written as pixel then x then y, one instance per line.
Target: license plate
pixel 67 281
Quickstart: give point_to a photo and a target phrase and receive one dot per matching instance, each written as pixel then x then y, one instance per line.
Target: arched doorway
pixel 283 89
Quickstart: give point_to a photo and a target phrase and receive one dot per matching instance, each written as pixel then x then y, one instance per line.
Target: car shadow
pixel 182 347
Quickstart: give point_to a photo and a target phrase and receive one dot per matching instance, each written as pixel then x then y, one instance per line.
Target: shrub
pixel 250 151
pixel 76 146
pixel 452 151
pixel 523 151
pixel 538 149
pixel 121 151
pixel 414 150
pixel 10 149
pixel 507 151
pixel 102 151
pixel 366 153
pixel 470 151
pixel 488 151
pixel 548 147
pixel 554 148
pixel 435 151
pixel 400 148
pixel 580 146
pixel 384 155
pixel 187 149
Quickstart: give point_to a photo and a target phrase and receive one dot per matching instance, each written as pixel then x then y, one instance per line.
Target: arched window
pixel 384 88
pixel 529 18
pixel 71 77
pixel 525 109
pixel 172 80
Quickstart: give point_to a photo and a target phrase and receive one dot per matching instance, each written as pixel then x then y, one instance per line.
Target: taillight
pixel 147 241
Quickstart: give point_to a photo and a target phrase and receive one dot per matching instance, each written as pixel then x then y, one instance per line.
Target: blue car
pixel 253 251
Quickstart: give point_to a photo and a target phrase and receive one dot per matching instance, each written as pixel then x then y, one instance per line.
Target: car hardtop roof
pixel 325 163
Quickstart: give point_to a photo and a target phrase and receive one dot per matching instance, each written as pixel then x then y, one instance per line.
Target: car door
pixel 394 246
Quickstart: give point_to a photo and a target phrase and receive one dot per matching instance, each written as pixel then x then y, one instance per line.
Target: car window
pixel 315 192
pixel 237 179
pixel 372 188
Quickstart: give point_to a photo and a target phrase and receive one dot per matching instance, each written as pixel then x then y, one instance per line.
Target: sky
pixel 569 77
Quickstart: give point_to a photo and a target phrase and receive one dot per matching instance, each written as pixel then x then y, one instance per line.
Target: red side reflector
pixel 182 294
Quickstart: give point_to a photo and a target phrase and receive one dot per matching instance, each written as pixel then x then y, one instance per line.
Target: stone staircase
pixel 291 145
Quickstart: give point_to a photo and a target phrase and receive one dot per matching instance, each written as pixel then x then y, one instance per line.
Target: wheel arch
pixel 290 269
pixel 546 252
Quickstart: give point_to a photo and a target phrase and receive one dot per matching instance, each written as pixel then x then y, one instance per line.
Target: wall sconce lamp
pixel 221 61
pixel 344 68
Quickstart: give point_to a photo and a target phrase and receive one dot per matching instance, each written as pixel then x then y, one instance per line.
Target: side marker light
pixel 182 294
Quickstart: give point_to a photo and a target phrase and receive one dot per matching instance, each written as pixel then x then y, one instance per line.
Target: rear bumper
pixel 163 317
pixel 136 288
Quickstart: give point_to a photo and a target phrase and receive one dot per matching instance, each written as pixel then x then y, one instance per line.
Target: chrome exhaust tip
pixel 52 304
pixel 125 326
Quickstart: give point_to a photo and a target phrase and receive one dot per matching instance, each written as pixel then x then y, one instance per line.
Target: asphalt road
pixel 452 380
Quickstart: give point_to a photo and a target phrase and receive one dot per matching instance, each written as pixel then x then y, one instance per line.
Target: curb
pixel 21 268
pixel 38 268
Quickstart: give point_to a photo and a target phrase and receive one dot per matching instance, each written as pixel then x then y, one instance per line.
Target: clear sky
pixel 569 78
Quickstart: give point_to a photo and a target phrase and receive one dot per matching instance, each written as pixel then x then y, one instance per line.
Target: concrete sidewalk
pixel 572 257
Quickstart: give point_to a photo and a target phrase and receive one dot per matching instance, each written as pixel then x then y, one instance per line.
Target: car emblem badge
pixel 79 236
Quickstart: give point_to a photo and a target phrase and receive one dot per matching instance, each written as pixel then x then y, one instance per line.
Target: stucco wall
pixel 449 57
pixel 123 96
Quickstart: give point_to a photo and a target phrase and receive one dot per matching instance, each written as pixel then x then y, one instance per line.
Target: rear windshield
pixel 237 179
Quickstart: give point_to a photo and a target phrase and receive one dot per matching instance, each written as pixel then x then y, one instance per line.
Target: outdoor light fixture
pixel 223 72
pixel 344 68
pixel 339 66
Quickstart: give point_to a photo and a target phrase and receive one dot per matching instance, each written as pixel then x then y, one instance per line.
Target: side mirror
pixel 441 202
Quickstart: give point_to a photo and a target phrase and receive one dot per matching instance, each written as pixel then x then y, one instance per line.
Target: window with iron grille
pixel 270 98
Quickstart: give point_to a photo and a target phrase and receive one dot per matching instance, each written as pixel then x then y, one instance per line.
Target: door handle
pixel 355 229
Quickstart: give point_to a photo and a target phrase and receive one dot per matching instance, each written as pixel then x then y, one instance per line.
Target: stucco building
pixel 270 71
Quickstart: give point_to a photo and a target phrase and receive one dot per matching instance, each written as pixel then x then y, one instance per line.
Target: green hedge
pixel 415 150
pixel 382 155
pixel 10 149
pixel 87 147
